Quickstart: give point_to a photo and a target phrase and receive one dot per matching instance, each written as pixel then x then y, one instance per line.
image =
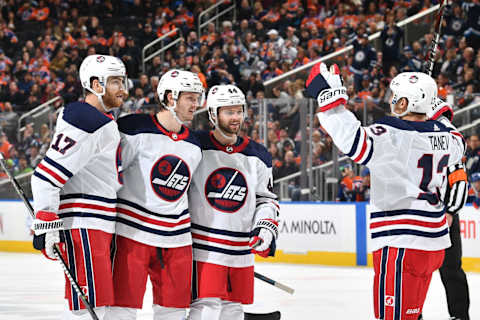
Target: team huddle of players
pixel 190 209
pixel 145 196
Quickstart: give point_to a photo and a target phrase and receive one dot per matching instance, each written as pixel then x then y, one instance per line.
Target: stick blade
pixel 263 316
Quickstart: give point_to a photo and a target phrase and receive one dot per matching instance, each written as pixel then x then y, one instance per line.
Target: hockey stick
pixel 274 283
pixel 262 316
pixel 56 250
pixel 430 58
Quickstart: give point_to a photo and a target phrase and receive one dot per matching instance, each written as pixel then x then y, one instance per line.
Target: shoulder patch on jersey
pixel 84 117
pixel 256 149
pixel 133 124
pixel 419 126
pixel 203 137
pixel 193 138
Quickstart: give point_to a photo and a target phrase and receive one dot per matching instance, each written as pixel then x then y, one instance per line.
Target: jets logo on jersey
pixel 226 190
pixel 170 177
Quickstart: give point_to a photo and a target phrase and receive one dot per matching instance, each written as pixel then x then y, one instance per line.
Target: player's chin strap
pixel 217 127
pixel 100 98
pixel 230 138
pixel 172 111
pixel 392 108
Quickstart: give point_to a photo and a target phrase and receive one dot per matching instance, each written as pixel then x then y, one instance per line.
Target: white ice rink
pixel 31 288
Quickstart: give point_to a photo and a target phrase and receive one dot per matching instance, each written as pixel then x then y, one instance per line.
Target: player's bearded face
pixel 115 92
pixel 187 103
pixel 230 119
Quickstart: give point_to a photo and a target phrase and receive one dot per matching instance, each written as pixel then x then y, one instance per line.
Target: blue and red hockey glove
pixel 263 238
pixel 440 108
pixel 326 86
pixel 48 228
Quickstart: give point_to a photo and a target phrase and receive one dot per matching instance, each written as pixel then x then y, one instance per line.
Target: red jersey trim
pixel 229 148
pixel 182 135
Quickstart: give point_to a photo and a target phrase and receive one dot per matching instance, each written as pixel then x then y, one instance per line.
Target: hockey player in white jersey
pixel 407 157
pixel 159 156
pixel 451 273
pixel 75 186
pixel 234 211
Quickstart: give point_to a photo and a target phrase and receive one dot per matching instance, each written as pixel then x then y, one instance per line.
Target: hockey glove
pixel 326 86
pixel 47 227
pixel 441 108
pixel 263 238
pixel 457 189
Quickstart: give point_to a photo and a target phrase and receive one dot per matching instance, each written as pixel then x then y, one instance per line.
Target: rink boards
pixel 309 233
pixel 343 236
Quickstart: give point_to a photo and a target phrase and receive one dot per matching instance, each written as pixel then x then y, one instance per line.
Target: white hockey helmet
pixel 222 96
pixel 418 88
pixel 178 81
pixel 101 67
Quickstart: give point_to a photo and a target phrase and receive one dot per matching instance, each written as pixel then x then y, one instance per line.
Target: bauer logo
pixel 170 177
pixel 330 93
pixel 413 311
pixel 100 59
pixel 226 190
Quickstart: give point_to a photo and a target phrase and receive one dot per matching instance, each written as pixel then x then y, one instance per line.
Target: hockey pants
pixel 101 312
pixel 215 309
pixel 159 313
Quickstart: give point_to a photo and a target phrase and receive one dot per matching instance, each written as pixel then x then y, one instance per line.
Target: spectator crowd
pixel 42 44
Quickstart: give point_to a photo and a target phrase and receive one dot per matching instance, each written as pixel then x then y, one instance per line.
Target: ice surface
pixel 31 288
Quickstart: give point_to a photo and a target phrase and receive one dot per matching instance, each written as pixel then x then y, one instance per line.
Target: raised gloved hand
pixel 326 86
pixel 264 235
pixel 47 227
pixel 440 108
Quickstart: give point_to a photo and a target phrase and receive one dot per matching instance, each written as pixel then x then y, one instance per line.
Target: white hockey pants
pixel 215 309
pixel 159 313
pixel 101 312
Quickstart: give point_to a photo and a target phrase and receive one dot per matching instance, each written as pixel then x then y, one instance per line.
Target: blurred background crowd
pixel 42 44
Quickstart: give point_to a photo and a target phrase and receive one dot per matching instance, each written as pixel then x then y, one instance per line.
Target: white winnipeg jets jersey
pixel 79 176
pixel 157 168
pixel 231 190
pixel 407 162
